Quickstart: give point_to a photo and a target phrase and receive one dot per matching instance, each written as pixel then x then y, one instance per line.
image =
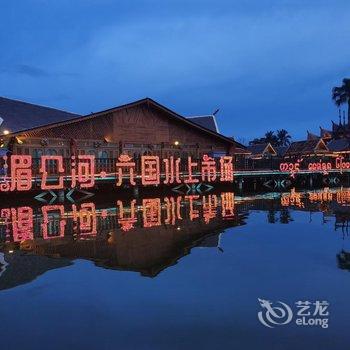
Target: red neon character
pixel 172 170
pixel 20 174
pixel 226 169
pixel 227 205
pixel 294 198
pixel 323 196
pixel 292 168
pixel 173 210
pixel 285 201
pixel 194 213
pixel 208 168
pixel 22 223
pixel 6 215
pixel 210 205
pixel 151 212
pixel 84 171
pixel 125 161
pixel 191 165
pixel 4 179
pixel 47 161
pixel 150 170
pixel 87 219
pixel 50 216
pixel 127 222
pixel 343 196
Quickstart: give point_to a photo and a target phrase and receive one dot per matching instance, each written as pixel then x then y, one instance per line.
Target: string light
pixel 83 171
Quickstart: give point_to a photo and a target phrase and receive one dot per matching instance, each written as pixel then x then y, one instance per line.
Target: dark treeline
pixel 280 138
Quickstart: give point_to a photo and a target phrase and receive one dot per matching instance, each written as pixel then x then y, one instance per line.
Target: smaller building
pixel 339 146
pixel 307 148
pixel 261 150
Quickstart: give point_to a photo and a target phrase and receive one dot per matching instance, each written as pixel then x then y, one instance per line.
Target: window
pixel 103 155
pixel 51 152
pixel 37 153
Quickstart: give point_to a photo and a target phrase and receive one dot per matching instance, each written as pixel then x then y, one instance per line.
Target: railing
pixel 108 165
pixel 257 164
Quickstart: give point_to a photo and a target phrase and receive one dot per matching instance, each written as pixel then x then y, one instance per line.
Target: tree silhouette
pixel 341 95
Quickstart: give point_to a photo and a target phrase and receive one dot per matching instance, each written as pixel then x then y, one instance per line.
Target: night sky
pixel 265 64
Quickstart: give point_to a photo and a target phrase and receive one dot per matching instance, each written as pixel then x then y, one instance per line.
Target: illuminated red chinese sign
pixel 54 174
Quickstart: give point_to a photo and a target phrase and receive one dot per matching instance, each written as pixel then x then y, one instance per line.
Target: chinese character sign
pixel 79 171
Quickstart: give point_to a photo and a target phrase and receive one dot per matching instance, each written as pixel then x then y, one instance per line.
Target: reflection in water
pixel 145 235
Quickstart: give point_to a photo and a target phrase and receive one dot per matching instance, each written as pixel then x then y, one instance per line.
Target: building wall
pixel 137 127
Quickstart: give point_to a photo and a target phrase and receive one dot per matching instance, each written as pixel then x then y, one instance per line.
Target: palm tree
pixel 283 137
pixel 271 137
pixel 341 95
pixel 257 141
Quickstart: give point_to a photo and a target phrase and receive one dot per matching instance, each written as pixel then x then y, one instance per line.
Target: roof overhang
pixel 146 101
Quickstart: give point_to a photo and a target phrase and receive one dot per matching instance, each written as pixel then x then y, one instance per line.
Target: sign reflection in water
pixel 145 235
pixel 299 199
pixel 53 221
pixel 148 235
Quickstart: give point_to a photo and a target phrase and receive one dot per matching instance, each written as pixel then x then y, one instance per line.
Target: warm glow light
pixel 6 132
pixel 176 143
pixel 22 224
pixel 53 172
pixel 150 170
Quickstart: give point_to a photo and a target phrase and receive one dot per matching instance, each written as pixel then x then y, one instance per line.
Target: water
pixel 182 283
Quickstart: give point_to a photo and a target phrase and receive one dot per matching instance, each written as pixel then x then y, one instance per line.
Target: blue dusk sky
pixel 265 64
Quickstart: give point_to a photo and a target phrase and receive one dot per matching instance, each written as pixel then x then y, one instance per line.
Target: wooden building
pixel 307 148
pixel 261 150
pixel 138 128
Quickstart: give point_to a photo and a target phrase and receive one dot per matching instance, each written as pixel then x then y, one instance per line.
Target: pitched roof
pixel 339 145
pixel 207 121
pixel 281 150
pixel 311 136
pixel 18 115
pixel 306 147
pixel 261 149
pixel 325 132
pixel 147 101
pixel 239 150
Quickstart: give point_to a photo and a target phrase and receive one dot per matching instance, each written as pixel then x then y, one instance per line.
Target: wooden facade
pixel 139 128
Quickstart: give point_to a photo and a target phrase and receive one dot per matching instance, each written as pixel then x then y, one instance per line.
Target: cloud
pixel 34 72
pixel 30 71
pixel 275 60
pixel 266 47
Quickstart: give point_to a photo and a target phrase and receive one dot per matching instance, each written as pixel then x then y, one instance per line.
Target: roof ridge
pixel 128 105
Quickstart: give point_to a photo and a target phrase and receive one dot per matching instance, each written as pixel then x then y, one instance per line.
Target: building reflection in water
pixel 333 203
pixel 145 235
